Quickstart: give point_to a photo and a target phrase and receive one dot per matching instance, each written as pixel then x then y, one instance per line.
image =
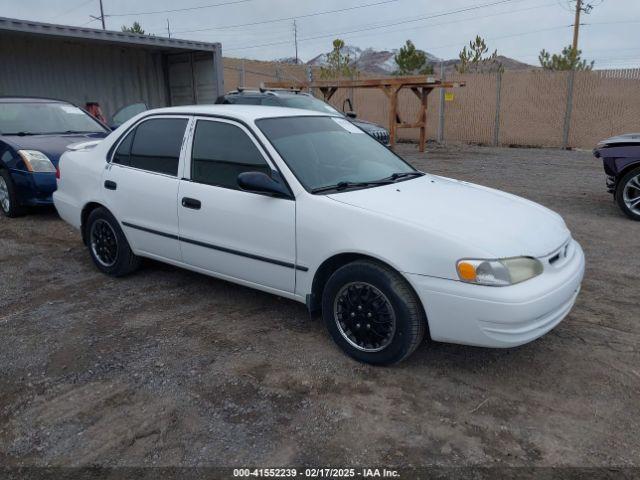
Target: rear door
pixel 141 185
pixel 225 230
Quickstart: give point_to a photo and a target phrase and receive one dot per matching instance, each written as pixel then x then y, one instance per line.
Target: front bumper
pixel 34 189
pixel 501 317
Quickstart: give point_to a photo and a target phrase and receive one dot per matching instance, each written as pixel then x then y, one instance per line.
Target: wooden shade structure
pixel 421 86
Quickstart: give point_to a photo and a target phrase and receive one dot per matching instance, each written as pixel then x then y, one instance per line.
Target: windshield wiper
pixel 77 132
pixel 399 175
pixel 22 134
pixel 344 185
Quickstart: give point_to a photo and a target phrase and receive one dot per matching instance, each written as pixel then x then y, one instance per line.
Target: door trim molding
pixel 252 256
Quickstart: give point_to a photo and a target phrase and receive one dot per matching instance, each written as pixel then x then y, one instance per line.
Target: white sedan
pixel 306 206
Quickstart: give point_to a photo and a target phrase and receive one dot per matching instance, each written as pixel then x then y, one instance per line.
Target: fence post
pixel 496 127
pixel 441 113
pixel 568 110
pixel 242 74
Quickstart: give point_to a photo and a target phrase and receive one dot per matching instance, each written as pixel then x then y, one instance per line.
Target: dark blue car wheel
pixel 9 204
pixel 628 194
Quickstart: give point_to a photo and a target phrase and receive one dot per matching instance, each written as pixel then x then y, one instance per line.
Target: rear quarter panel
pixel 79 184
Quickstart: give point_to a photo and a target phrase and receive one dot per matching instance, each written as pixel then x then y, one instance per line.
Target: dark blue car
pixel 34 133
pixel 621 160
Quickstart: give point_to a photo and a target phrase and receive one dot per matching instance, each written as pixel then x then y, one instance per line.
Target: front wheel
pixel 372 313
pixel 628 194
pixel 9 203
pixel 108 246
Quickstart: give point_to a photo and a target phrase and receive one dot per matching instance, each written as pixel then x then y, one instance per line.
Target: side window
pixel 156 145
pixel 270 101
pixel 221 152
pixel 242 100
pixel 124 149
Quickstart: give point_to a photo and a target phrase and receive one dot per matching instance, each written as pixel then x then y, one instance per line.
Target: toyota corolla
pixel 306 206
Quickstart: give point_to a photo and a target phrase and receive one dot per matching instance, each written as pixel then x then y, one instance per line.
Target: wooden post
pixel 392 93
pixel 423 119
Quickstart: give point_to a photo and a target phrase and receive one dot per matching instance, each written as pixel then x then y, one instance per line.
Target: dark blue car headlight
pixel 36 162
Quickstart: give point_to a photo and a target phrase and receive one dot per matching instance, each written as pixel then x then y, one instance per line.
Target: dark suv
pixel 305 101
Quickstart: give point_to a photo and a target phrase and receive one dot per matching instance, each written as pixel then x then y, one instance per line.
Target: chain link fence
pixel 535 108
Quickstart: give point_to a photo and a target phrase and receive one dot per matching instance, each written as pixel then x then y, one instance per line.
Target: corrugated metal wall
pixel 81 72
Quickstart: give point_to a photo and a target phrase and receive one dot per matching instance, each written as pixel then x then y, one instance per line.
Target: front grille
pixel 381 135
pixel 560 256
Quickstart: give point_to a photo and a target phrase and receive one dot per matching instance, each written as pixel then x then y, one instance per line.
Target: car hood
pixel 53 146
pixel 625 138
pixel 497 223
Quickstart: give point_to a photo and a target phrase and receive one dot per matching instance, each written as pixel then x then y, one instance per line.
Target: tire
pixel 355 285
pixel 628 188
pixel 9 204
pixel 108 246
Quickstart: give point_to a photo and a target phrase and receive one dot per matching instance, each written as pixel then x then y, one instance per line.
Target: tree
pixel 338 63
pixel 412 61
pixel 135 28
pixel 569 59
pixel 474 60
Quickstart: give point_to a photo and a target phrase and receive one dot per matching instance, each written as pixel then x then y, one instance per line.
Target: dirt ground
pixel 168 367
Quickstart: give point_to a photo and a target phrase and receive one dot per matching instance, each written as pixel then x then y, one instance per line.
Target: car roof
pixel 29 100
pixel 266 93
pixel 246 113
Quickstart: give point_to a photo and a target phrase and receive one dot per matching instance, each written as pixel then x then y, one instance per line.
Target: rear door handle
pixel 109 185
pixel 191 203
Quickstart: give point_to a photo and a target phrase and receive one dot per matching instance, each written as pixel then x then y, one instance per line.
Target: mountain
pixel 289 61
pixel 383 62
pixel 369 60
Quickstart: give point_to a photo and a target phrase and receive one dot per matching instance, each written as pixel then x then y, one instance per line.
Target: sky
pixel 610 34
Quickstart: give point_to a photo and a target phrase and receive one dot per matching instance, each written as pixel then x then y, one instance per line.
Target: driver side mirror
pixel 259 182
pixel 351 114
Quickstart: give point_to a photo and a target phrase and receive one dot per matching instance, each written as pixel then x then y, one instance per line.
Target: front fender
pixel 326 228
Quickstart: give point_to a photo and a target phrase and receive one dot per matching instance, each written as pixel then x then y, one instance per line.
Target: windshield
pixel 325 151
pixel 45 118
pixel 308 103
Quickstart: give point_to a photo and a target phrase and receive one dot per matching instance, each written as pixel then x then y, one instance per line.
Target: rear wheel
pixel 628 194
pixel 108 246
pixel 8 197
pixel 372 313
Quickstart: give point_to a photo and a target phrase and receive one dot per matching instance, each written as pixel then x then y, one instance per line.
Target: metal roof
pixel 107 36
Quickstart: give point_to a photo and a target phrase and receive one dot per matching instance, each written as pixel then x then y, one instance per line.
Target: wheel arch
pixel 84 215
pixel 333 263
pixel 627 169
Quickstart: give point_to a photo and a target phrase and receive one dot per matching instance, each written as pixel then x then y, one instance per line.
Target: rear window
pixel 244 100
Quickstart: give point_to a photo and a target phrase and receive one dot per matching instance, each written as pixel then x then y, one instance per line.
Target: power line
pixel 288 19
pixel 428 17
pixel 452 21
pixel 71 9
pixel 186 9
pixel 430 48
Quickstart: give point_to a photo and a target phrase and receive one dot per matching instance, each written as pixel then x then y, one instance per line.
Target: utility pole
pixel 168 28
pixel 295 38
pixel 576 25
pixel 102 16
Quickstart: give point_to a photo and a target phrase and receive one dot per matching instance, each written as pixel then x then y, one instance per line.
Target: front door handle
pixel 110 185
pixel 191 203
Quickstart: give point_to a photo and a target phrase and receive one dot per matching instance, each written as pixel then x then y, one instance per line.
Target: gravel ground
pixel 168 367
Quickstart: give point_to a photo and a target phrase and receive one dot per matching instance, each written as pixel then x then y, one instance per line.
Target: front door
pixel 141 185
pixel 225 230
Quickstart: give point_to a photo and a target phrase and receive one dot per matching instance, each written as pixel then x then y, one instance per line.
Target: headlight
pixel 36 161
pixel 499 273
